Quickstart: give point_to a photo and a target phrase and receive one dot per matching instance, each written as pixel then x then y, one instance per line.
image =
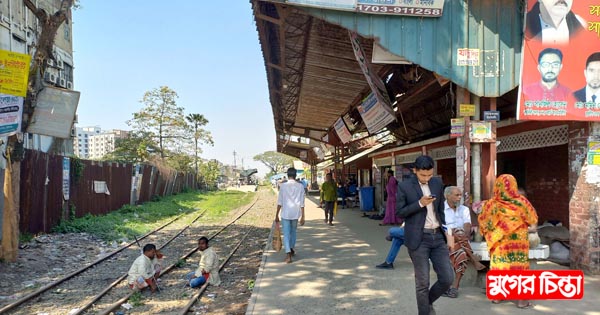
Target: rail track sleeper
pixel 124 299
pixel 73 274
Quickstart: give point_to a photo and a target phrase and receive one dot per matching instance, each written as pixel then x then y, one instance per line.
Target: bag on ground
pixel 277 244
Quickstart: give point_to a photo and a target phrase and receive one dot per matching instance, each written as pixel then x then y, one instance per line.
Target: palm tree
pixel 197 121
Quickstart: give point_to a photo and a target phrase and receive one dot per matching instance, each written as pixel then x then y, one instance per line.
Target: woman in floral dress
pixel 504 223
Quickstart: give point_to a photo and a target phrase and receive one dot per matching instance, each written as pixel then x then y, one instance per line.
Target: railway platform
pixel 334 273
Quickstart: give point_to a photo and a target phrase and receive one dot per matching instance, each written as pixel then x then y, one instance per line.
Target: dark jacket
pixel 408 208
pixel 580 95
pixel 533 29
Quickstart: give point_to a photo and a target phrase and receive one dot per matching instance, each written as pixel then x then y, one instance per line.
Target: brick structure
pixel 585 221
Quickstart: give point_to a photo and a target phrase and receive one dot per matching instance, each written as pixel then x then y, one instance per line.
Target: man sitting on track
pixel 145 269
pixel 208 268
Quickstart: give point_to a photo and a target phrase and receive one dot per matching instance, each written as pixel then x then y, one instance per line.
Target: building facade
pixel 19 31
pixel 93 143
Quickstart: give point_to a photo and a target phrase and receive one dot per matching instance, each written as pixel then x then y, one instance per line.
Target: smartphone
pixel 432 196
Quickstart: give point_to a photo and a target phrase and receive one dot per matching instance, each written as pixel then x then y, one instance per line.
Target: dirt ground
pixel 49 257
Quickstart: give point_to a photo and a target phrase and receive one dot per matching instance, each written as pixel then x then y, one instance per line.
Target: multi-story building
pixel 103 143
pixel 19 31
pixel 81 140
pixel 93 143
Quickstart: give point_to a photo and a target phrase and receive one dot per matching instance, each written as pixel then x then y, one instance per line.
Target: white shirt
pixel 209 261
pixel 559 35
pixel 431 221
pixel 588 95
pixel 291 200
pixel 456 219
pixel 141 267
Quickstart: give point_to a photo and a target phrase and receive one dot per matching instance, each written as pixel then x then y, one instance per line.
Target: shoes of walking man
pixel 385 265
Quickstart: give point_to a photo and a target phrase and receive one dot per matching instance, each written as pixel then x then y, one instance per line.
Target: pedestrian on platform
pixel 391 188
pixel 208 267
pixel 458 226
pixel 396 236
pixel 145 269
pixel 290 202
pixel 328 198
pixel 505 221
pixel 420 203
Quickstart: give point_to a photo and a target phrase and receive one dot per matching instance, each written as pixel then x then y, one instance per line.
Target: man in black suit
pixel 420 202
pixel 591 91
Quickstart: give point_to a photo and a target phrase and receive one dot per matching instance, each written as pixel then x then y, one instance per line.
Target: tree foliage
pixel 162 119
pixel 209 172
pixel 137 148
pixel 197 121
pixel 275 161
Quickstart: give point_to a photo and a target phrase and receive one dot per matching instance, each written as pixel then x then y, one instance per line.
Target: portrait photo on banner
pixel 560 70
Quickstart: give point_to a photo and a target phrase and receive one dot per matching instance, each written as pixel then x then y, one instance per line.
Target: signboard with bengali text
pixel 342 131
pixel 559 78
pixel 14 73
pixel 374 115
pixel 421 8
pixel 11 114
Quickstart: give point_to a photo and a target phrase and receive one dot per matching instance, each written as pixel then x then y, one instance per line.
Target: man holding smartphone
pixel 418 203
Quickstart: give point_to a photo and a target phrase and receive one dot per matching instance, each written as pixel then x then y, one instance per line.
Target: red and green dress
pixel 503 222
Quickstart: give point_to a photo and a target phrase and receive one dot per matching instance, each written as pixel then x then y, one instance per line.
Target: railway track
pixel 84 281
pixel 172 287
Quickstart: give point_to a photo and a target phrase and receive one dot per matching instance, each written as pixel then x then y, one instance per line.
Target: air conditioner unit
pixel 50 62
pixel 73 133
pixel 69 85
pixel 59 64
pixel 62 82
pixel 50 77
pixel 6 19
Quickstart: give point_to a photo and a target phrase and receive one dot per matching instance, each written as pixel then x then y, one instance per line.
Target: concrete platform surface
pixel 334 273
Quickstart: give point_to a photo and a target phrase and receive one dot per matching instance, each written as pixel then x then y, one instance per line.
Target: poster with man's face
pixel 560 72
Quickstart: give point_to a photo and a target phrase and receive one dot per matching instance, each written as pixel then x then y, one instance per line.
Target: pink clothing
pixel 537 92
pixel 390 206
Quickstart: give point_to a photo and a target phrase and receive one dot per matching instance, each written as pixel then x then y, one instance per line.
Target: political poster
pixel 14 73
pixel 560 75
pixel 11 114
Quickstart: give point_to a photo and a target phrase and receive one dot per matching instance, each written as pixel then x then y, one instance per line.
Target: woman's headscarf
pixel 506 212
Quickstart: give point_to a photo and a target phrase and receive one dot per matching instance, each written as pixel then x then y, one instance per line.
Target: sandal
pixel 526 306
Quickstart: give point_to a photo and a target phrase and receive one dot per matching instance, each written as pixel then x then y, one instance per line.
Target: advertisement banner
pixel 422 8
pixel 560 72
pixel 327 4
pixel 374 115
pixel 14 73
pixel 457 127
pixel 54 112
pixel 377 86
pixel 481 131
pixel 66 183
pixel 11 114
pixel 342 131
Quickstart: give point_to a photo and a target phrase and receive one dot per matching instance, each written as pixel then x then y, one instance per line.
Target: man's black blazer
pixel 580 95
pixel 407 207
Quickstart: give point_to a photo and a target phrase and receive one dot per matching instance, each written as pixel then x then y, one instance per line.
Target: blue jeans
pixel 289 234
pixel 397 234
pixel 195 282
pixel 433 246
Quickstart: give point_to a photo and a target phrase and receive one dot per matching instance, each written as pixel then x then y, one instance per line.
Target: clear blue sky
pixel 207 51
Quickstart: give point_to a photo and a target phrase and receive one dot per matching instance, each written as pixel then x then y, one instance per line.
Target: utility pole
pixel 234 160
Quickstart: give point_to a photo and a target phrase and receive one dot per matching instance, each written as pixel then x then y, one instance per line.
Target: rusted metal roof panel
pixel 493 27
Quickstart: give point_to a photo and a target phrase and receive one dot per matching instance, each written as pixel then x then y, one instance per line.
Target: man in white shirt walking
pixel 458 225
pixel 290 202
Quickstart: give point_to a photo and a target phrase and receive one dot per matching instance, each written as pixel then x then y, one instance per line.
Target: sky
pixel 207 51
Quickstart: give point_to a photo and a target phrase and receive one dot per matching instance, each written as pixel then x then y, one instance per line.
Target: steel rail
pixel 114 283
pixel 73 274
pixel 124 299
pixel 195 297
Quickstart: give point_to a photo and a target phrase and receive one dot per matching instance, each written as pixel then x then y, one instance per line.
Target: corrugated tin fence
pixel 101 187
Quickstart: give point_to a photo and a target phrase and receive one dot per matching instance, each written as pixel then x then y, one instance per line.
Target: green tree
pixel 138 147
pixel 197 121
pixel 162 119
pixel 182 162
pixel 275 161
pixel 209 172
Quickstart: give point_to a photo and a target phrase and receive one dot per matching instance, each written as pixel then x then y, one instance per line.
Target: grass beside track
pixel 130 221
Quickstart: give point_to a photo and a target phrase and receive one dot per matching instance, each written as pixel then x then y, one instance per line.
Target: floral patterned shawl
pixel 506 213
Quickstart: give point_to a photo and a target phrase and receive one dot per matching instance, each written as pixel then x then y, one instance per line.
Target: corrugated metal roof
pixel 494 27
